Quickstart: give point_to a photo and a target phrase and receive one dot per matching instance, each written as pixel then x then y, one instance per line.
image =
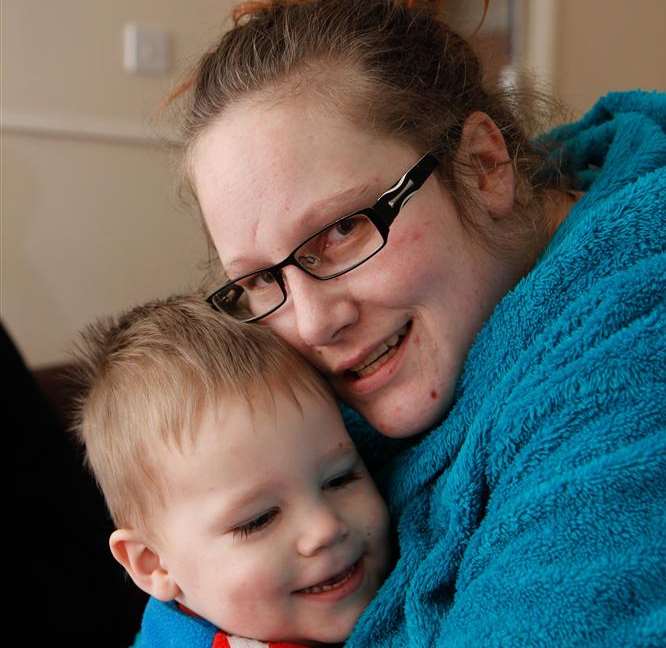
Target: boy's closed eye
pixel 256 524
pixel 343 479
pixel 242 531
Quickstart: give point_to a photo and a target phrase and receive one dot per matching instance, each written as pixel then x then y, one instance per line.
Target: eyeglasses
pixel 339 247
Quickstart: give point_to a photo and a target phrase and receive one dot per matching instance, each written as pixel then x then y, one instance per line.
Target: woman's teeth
pixel 381 355
pixel 331 583
pixel 383 358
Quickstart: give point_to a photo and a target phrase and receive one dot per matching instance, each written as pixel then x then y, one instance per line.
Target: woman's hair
pixel 393 67
pixel 146 377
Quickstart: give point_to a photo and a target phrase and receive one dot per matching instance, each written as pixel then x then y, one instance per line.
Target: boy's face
pixel 273 528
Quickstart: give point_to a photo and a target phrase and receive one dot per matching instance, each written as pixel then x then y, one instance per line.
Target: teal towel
pixel 165 626
pixel 535 513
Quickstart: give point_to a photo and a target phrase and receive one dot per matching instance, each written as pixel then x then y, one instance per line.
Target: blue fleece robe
pixel 535 513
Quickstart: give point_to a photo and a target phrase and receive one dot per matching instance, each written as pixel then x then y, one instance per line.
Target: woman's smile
pixel 377 368
pixel 379 356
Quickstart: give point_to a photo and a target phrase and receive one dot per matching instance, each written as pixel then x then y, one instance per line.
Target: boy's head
pixel 231 479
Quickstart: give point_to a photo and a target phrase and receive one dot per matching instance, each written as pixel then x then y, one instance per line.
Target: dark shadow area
pixel 67 583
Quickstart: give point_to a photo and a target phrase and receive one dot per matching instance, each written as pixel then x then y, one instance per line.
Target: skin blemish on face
pixel 382 423
pixel 433 394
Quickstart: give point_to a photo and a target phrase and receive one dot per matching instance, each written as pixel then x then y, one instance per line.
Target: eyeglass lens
pixel 336 249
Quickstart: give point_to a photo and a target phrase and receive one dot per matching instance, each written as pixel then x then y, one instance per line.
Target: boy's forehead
pixel 267 420
pixel 226 408
pixel 272 404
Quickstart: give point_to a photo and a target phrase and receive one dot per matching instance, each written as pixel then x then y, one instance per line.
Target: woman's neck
pixel 558 206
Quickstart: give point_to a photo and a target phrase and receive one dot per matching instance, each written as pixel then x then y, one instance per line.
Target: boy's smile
pixel 341 584
pixel 272 527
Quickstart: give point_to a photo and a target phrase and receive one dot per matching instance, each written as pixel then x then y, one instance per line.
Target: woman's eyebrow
pixel 334 206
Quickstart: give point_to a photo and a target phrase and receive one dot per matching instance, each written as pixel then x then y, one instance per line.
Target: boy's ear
pixel 143 564
pixel 483 149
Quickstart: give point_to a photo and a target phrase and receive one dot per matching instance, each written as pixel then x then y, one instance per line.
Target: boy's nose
pixel 323 528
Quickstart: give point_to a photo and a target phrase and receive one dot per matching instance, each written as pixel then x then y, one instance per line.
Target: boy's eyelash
pixel 261 521
pixel 244 530
pixel 343 480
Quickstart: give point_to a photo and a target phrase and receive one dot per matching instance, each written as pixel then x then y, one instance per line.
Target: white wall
pixel 90 220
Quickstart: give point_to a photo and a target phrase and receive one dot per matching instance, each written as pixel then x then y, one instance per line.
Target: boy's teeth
pixel 331 583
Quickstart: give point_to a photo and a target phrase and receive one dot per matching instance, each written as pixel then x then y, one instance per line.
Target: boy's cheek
pixel 377 517
pixel 262 576
pixel 251 605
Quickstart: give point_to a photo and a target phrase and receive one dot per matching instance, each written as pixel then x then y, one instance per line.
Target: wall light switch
pixel 146 50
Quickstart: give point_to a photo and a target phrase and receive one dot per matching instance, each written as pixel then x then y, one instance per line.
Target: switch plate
pixel 146 50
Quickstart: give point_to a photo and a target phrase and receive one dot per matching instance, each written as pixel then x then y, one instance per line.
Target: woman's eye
pixel 261 521
pixel 259 281
pixel 346 227
pixel 343 480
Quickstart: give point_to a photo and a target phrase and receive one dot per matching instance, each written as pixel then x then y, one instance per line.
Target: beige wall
pixel 90 220
pixel 608 45
pixel 586 48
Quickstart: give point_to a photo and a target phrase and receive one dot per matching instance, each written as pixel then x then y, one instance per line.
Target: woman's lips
pixel 379 355
pixel 376 374
pixel 337 587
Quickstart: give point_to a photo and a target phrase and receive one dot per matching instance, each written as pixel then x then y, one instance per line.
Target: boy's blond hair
pixel 147 376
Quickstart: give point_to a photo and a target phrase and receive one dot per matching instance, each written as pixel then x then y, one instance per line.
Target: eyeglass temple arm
pixel 392 201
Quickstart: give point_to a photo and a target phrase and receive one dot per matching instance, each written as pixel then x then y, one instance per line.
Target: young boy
pixel 240 503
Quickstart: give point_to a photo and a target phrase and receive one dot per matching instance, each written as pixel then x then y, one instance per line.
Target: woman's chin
pixel 416 416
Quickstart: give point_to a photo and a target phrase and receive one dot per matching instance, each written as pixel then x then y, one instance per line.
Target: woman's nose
pixel 321 308
pixel 322 528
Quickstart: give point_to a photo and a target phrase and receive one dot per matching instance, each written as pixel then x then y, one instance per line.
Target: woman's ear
pixel 483 150
pixel 143 564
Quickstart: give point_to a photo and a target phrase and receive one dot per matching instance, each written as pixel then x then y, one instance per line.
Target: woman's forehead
pixel 262 174
pixel 285 143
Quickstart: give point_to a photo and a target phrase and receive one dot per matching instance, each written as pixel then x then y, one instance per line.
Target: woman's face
pixel 391 335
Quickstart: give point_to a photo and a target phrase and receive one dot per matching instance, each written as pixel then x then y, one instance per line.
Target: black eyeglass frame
pixel 381 214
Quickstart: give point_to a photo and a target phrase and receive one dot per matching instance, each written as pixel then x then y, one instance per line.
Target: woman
pixel 500 304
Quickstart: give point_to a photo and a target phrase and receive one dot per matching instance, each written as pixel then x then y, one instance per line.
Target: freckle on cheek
pixel 433 394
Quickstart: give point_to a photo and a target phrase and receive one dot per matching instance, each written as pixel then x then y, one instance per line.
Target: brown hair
pixel 391 66
pixel 147 376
